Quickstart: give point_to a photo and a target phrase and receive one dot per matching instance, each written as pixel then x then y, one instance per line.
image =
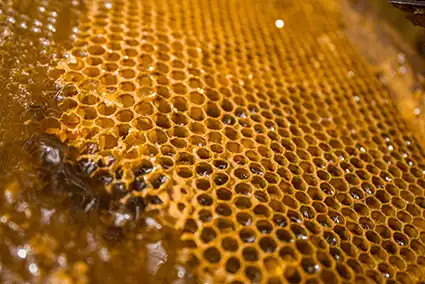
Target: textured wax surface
pixel 258 127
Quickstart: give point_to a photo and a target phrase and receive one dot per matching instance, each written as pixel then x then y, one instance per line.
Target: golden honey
pixel 254 131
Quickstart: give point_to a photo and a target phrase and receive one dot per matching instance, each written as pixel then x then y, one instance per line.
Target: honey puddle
pixel 213 141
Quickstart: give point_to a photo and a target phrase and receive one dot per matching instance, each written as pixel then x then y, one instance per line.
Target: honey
pixel 251 134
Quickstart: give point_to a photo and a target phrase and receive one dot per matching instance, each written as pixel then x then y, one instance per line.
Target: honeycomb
pixel 30 42
pixel 257 127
